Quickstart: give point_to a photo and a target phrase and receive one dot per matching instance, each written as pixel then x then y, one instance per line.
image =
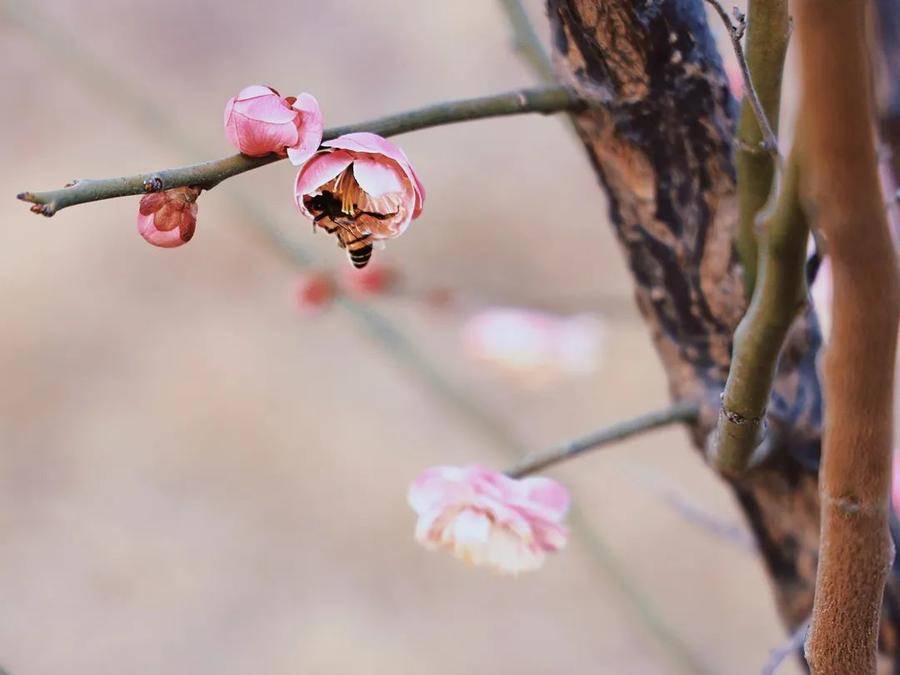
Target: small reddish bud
pixel 168 219
pixel 259 121
pixel 315 291
pixel 371 280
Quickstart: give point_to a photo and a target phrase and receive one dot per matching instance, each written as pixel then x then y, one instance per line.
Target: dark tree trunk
pixel 661 144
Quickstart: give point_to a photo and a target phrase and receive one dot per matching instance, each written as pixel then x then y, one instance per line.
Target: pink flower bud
pixel 362 189
pixel 259 121
pixel 487 518
pixel 373 280
pixel 167 219
pixel 315 291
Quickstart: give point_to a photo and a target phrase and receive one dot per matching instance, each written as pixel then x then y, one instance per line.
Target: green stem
pixel 779 295
pixel 768 30
pixel 206 175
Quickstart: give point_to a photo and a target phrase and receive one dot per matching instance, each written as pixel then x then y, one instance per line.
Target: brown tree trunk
pixel 661 144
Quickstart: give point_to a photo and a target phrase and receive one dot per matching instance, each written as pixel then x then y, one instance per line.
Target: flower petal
pixel 377 176
pixel 310 127
pixel 322 168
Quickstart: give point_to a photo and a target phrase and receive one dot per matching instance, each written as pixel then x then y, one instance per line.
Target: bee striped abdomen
pixel 360 256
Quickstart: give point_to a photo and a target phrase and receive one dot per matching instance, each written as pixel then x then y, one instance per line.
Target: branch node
pixel 153 184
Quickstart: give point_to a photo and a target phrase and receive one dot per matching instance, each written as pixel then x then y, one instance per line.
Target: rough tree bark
pixel 661 144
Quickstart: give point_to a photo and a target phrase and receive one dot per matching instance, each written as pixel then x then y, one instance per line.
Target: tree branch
pixel 761 334
pixel 735 33
pixel 206 175
pixel 680 412
pixel 840 181
pixel 768 29
pixel 525 41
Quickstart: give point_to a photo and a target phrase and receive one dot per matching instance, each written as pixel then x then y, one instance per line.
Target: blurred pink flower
pixel 533 344
pixel 487 518
pixel 363 189
pixel 259 121
pixel 735 80
pixel 821 292
pixel 372 280
pixel 315 291
pixel 168 219
pixel 895 483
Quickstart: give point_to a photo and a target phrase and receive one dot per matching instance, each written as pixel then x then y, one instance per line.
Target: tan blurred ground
pixel 196 479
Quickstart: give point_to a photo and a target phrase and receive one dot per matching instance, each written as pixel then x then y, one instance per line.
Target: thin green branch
pixel 207 175
pixel 779 295
pixel 768 30
pixel 678 412
pixel 525 41
pixel 735 33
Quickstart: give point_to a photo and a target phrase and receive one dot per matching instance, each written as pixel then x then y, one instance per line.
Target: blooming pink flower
pixel 167 219
pixel 315 291
pixel 488 518
pixel 362 189
pixel 259 121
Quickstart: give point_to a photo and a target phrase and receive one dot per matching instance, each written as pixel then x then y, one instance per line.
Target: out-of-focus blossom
pixel 362 189
pixel 735 80
pixel 371 280
pixel 315 291
pixel 895 483
pixel 487 518
pixel 821 292
pixel 534 344
pixel 259 121
pixel 168 219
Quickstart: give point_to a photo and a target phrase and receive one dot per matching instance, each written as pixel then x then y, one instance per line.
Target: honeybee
pixel 351 234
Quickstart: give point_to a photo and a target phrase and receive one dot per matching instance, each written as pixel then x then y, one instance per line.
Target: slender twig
pixel 679 412
pixel 735 33
pixel 792 646
pixel 525 41
pixel 777 298
pixel 768 30
pixel 206 175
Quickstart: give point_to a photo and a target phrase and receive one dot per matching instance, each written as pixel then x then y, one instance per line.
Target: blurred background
pixel 198 474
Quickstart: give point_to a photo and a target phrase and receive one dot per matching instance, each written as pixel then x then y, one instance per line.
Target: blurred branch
pixel 207 175
pixel 735 33
pixel 759 337
pixel 525 41
pixel 768 30
pixel 679 412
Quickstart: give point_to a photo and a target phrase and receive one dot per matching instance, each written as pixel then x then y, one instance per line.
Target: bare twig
pixel 779 295
pixel 767 39
pixel 207 175
pixel 782 652
pixel 525 41
pixel 735 33
pixel 679 412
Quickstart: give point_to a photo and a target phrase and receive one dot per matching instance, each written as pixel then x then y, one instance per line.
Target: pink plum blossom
pixel 536 346
pixel 259 121
pixel 361 188
pixel 168 219
pixel 487 518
